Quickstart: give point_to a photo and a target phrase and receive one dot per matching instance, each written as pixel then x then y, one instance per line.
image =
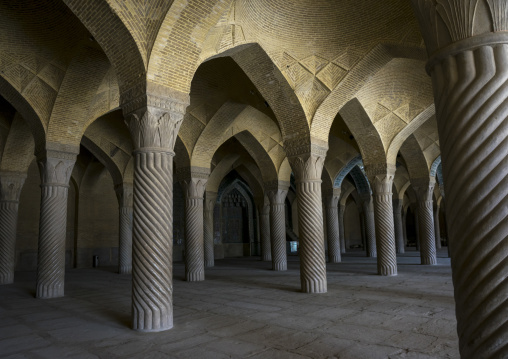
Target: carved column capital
pixel 381 178
pixel 56 167
pixel 125 194
pixel 424 188
pixel 450 27
pixel 331 197
pixel 210 200
pixel 307 166
pixel 11 184
pixel 277 196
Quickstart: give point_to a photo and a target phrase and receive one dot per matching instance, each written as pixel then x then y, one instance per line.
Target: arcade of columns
pixel 351 118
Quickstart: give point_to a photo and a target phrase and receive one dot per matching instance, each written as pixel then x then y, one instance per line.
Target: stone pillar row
pixel 307 167
pixel 370 226
pixel 381 180
pixel 11 184
pixel 397 222
pixel 55 170
pixel 194 186
pixel 124 193
pixel 331 199
pixel 277 196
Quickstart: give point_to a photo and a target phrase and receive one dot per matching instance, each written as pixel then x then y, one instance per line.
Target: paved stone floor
pixel 242 310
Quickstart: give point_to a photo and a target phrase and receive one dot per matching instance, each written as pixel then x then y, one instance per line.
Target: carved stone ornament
pixel 11 184
pixel 56 168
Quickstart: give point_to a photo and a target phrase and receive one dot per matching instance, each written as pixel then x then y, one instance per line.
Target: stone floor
pixel 242 310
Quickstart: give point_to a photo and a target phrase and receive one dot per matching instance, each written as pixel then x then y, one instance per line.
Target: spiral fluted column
pixel 381 179
pixel 55 170
pixel 210 200
pixel 342 233
pixel 124 193
pixel 404 227
pixel 331 199
pixel 426 220
pixel 266 250
pixel 469 69
pixel 307 168
pixel 417 227
pixel 278 228
pixel 437 228
pixel 11 184
pixel 154 131
pixel 370 226
pixel 397 221
pixel 194 188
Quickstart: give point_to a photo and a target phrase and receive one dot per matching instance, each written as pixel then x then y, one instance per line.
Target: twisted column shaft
pixel 125 194
pixel 278 229
pixel 154 132
pixel 210 200
pixel 437 228
pixel 194 189
pixel 308 168
pixel 404 227
pixel 470 80
pixel 424 189
pixel 342 233
pixel 332 225
pixel 10 189
pixel 55 170
pixel 397 220
pixel 382 182
pixel 370 227
pixel 266 250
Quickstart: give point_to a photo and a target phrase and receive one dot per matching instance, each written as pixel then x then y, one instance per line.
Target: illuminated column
pixel 124 193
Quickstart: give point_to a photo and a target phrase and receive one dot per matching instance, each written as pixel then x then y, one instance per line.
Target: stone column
pixel 469 70
pixel 332 224
pixel 424 189
pixel 362 227
pixel 417 228
pixel 194 186
pixel 397 219
pixel 437 228
pixel 342 211
pixel 307 168
pixel 55 168
pixel 278 227
pixel 154 129
pixel 210 200
pixel 11 184
pixel 404 227
pixel 266 250
pixel 124 193
pixel 370 226
pixel 381 180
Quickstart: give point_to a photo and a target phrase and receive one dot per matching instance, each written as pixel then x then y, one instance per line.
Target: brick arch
pixel 24 107
pixel 366 135
pixel 220 171
pixel 414 158
pixel 370 64
pixel 435 165
pixel 275 89
pixel 360 179
pixel 175 55
pixel 258 153
pixel 182 158
pixel 104 158
pixel 232 119
pixel 18 151
pixel 74 97
pixel 339 177
pixel 119 45
pixel 347 190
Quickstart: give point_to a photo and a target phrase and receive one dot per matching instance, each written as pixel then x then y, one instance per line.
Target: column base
pixel 266 258
pixel 314 286
pixel 335 259
pixel 429 261
pixel 152 325
pixel 372 254
pixel 280 267
pixel 43 292
pixel 125 270
pixel 7 279
pixel 388 272
pixel 195 276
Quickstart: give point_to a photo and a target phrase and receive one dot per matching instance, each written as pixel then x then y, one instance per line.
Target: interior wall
pixel 97 218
